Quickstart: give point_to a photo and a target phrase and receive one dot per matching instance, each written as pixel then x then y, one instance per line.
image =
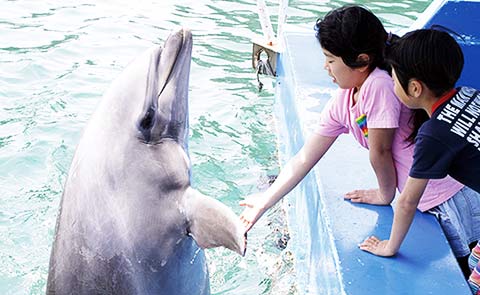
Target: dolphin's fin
pixel 212 224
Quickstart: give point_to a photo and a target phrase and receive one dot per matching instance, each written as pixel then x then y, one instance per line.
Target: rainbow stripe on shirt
pixel 474 280
pixel 362 123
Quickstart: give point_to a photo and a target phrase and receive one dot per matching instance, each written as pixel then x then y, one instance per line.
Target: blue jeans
pixel 459 218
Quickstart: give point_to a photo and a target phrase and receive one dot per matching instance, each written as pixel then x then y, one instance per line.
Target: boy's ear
pixel 415 88
pixel 363 58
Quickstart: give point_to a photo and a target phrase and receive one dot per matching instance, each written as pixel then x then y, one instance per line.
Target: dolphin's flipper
pixel 212 224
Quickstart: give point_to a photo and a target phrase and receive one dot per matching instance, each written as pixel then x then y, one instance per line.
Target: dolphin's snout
pixel 167 90
pixel 181 32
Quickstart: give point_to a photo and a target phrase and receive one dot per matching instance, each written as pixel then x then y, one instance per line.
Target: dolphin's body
pixel 129 222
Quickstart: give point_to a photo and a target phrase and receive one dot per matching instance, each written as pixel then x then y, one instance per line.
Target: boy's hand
pixel 375 246
pixel 370 196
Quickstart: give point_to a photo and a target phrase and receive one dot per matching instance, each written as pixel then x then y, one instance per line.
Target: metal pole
pixel 267 29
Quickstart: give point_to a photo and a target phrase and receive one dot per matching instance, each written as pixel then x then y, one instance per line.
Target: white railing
pixel 267 29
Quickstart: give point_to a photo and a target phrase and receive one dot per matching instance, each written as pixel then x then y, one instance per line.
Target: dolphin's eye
pixel 148 119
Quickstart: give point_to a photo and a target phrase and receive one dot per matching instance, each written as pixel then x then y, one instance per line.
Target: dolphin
pixel 129 222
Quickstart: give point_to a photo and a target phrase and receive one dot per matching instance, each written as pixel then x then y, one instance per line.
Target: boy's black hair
pixel 351 30
pixel 431 56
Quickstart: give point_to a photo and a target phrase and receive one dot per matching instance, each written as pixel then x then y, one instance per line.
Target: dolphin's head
pixel 149 100
pixel 165 109
pixel 138 135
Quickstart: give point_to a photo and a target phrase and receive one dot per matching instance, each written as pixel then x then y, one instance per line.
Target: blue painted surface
pixel 310 240
pixel 462 17
pixel 325 229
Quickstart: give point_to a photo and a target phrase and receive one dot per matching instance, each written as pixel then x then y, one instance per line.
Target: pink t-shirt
pixel 378 107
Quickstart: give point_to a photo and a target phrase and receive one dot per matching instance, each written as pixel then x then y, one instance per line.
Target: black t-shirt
pixel 449 143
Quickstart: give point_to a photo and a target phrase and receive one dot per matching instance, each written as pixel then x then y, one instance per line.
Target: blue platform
pixel 325 229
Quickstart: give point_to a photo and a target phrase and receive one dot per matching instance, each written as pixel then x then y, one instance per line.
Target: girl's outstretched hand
pixel 255 205
pixel 370 196
pixel 375 246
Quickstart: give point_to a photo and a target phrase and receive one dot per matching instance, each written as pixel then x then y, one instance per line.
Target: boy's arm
pixel 380 152
pixel 402 219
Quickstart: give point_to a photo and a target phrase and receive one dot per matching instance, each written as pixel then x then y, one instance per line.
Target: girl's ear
pixel 415 88
pixel 364 59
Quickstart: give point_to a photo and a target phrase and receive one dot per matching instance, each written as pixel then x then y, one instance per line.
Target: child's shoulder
pixel 380 75
pixel 457 100
pixel 378 79
pixel 468 92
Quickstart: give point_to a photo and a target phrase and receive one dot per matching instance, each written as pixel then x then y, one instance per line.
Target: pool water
pixel 56 60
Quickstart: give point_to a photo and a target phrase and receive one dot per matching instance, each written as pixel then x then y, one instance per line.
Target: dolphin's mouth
pixel 165 113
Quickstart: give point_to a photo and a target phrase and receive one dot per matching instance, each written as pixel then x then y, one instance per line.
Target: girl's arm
pixel 381 158
pixel 293 172
pixel 402 219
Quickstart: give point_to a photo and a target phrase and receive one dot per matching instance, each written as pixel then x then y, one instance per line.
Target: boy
pixel 426 65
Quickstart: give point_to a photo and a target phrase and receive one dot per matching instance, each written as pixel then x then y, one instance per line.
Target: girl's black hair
pixel 419 116
pixel 431 56
pixel 351 30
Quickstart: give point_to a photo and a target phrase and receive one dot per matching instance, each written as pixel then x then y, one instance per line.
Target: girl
pixel 353 41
